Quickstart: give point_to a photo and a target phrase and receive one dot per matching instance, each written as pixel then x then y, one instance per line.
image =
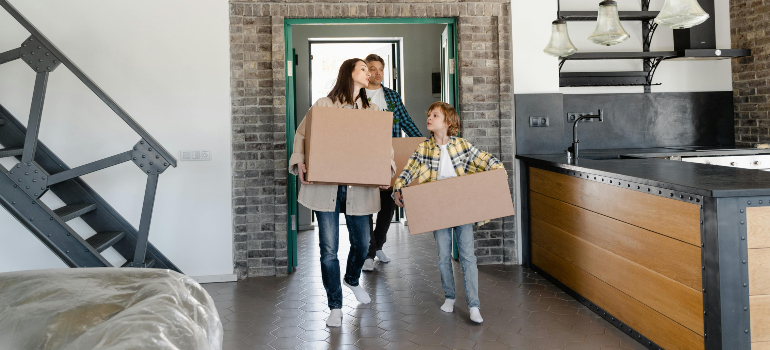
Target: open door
pixel 291 126
pixel 448 67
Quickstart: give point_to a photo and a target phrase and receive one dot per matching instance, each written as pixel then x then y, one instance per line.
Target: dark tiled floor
pixel 521 310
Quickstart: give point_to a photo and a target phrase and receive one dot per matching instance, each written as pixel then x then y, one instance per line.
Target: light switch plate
pixel 195 155
pixel 538 122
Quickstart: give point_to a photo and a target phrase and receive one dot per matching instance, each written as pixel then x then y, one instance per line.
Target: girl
pixel 329 201
pixel 441 157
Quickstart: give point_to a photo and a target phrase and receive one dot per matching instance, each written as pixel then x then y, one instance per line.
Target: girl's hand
pixel 384 187
pixel 302 170
pixel 398 200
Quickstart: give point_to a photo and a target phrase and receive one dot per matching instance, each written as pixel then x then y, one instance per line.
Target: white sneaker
pixel 476 315
pixel 368 265
pixel 383 258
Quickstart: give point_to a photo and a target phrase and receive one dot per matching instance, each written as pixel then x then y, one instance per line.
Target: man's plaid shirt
pixel 396 106
pixel 424 163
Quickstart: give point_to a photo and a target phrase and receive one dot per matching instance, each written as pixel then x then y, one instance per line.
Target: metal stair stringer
pixel 48 227
pixel 75 191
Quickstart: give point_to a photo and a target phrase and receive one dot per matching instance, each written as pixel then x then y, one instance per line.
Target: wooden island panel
pixel 634 254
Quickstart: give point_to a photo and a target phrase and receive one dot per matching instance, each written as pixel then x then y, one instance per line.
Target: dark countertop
pixel 642 166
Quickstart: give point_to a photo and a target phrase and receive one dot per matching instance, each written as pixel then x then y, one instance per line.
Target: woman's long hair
pixel 343 89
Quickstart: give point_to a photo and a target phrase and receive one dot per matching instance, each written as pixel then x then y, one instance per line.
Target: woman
pixel 441 157
pixel 329 201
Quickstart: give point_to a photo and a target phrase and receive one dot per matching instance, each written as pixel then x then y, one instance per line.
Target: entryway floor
pixel 521 310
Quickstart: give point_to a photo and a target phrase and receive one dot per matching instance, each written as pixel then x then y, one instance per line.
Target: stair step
pixel 149 262
pixel 73 211
pixel 10 152
pixel 103 240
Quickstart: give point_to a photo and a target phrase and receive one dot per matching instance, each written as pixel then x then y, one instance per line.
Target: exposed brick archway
pixel 259 107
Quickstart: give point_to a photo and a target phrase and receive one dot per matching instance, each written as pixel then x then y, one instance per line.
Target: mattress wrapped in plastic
pixel 106 308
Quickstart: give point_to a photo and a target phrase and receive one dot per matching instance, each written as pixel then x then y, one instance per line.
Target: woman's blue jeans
pixel 329 241
pixel 465 247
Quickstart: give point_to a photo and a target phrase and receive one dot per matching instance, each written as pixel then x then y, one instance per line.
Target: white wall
pixel 167 64
pixel 535 72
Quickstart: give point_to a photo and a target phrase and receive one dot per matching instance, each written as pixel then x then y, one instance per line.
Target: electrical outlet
pixel 571 117
pixel 538 121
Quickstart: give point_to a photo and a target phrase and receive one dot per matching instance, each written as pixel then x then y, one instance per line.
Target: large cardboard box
pixel 348 146
pixel 457 201
pixel 403 147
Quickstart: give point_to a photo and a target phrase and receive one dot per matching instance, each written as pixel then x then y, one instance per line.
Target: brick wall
pixel 259 127
pixel 749 29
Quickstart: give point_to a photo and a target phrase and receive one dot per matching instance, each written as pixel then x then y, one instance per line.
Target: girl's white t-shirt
pixel 445 168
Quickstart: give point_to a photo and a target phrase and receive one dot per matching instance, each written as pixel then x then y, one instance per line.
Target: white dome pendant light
pixel 608 29
pixel 681 14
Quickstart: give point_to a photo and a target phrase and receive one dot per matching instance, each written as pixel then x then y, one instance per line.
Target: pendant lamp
pixel 680 14
pixel 560 44
pixel 608 29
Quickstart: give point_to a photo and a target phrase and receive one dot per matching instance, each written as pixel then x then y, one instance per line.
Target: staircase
pixel 39 170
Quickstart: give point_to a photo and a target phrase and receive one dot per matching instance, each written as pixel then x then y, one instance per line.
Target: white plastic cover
pixel 106 308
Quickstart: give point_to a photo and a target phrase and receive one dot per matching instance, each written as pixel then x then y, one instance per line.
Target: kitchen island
pixel 673 253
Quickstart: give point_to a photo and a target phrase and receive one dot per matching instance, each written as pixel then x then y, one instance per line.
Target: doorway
pixel 300 94
pixel 327 54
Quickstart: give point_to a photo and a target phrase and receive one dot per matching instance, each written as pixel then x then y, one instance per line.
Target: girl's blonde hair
pixel 450 116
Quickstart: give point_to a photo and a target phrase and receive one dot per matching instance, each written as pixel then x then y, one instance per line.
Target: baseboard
pixel 215 278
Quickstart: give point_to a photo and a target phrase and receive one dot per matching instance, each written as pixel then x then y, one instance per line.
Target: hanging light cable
pixel 560 45
pixel 608 30
pixel 680 14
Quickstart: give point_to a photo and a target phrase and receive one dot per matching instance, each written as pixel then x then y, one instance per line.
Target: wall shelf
pixel 603 78
pixel 620 55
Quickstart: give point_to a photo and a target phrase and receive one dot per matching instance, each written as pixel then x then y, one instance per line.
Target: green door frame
pixel 291 113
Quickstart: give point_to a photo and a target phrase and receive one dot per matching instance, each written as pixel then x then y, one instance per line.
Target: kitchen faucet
pixel 572 152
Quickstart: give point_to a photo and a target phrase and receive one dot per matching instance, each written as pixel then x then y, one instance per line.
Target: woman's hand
pixel 398 200
pixel 302 170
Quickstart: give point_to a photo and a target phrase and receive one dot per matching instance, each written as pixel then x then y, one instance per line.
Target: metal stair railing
pixel 44 57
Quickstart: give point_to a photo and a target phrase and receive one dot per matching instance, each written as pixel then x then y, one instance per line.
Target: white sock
pixel 449 305
pixel 361 295
pixel 368 265
pixel 383 258
pixel 335 318
pixel 476 315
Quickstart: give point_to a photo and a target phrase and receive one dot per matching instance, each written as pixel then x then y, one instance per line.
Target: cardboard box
pixel 403 147
pixel 348 146
pixel 457 201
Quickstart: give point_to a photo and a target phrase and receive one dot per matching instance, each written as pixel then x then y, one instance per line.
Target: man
pixel 387 100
